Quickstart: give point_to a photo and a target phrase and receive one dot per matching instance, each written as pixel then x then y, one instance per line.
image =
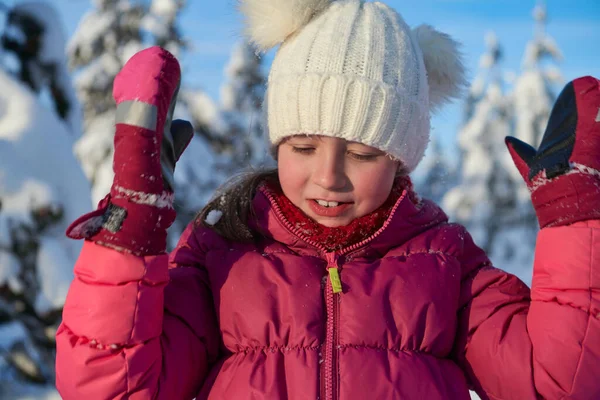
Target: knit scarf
pixel 333 239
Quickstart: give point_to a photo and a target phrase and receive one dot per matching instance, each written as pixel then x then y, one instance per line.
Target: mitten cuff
pixel 129 227
pixel 567 199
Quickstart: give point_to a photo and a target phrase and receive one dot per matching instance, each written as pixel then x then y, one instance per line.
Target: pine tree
pixel 532 98
pixel 534 89
pixel 241 103
pixel 491 200
pixel 105 39
pixel 162 22
pixel 485 198
pixel 233 127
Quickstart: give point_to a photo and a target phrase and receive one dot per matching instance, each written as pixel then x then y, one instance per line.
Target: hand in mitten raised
pixel 135 215
pixel 563 175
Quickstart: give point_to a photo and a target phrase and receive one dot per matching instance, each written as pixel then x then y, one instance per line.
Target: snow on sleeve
pixel 213 217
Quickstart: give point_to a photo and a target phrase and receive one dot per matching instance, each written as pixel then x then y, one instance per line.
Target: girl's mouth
pixel 328 208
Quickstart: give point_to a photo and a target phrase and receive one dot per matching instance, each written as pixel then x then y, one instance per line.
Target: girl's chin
pixel 331 222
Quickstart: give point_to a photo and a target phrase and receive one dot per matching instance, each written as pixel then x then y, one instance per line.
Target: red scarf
pixel 333 239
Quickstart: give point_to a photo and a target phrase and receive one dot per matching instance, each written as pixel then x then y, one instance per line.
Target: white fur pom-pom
pixel 444 65
pixel 270 22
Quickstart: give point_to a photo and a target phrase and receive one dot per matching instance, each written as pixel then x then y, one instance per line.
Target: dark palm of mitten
pixel 135 215
pixel 174 144
pixel 563 175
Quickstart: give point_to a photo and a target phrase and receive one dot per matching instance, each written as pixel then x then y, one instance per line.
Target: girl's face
pixel 332 180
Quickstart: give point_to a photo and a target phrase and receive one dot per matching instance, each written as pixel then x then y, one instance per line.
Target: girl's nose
pixel 329 172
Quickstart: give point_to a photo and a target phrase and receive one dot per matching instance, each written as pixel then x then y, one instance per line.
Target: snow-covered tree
pixel 233 126
pixel 105 39
pixel 487 199
pixel 42 189
pixel 228 135
pixel 35 38
pixel 491 199
pixel 532 97
pixel 534 89
pixel 242 96
pixel 162 22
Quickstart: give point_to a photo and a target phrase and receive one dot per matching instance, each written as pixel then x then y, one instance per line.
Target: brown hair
pixel 234 200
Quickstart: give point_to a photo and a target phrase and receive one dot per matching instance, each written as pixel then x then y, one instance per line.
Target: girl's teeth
pixel 328 204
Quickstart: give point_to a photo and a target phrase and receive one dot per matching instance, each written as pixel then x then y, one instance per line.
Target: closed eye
pixel 363 157
pixel 303 150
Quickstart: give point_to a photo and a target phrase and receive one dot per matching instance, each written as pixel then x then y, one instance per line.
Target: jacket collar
pixel 409 217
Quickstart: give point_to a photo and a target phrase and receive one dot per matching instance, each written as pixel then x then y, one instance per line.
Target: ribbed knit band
pixel 349 107
pixel 354 72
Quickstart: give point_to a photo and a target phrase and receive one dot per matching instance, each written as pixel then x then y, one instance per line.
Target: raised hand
pixel 135 215
pixel 563 175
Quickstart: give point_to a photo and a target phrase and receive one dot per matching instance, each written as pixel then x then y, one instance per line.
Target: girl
pixel 330 278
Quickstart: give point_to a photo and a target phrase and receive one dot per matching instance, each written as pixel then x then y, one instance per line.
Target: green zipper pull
pixel 334 276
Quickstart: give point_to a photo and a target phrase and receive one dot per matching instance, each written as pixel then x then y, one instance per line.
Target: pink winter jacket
pixel 422 315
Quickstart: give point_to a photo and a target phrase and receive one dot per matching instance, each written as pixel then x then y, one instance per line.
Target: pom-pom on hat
pixel 354 70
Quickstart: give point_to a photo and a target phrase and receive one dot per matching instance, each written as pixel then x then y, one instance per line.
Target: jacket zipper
pixel 330 366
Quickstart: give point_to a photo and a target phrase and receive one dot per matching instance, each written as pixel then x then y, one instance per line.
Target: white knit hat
pixel 353 70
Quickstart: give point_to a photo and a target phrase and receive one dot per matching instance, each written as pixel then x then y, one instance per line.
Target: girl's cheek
pixel 292 176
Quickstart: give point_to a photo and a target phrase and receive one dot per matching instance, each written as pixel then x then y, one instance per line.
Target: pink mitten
pixel 563 175
pixel 135 215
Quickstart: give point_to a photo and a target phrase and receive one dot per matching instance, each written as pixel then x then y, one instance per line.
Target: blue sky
pixel 213 26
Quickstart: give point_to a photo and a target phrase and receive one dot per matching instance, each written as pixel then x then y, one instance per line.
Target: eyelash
pixel 302 150
pixel 363 157
pixel 358 157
